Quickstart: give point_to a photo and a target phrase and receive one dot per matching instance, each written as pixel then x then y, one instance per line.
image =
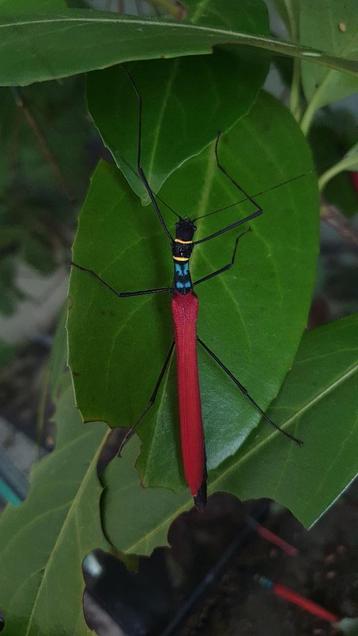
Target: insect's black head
pixel 183 242
pixel 184 230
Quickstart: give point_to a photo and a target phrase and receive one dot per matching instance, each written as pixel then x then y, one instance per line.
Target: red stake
pixel 273 538
pixel 185 312
pixel 305 603
pixel 301 601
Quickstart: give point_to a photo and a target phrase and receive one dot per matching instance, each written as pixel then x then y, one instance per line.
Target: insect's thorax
pixel 182 250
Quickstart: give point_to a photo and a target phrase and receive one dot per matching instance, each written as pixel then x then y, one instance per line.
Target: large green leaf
pixel 43 543
pixel 8 7
pixel 318 401
pixel 41 47
pixel 185 101
pixel 334 25
pixel 253 316
pixel 148 511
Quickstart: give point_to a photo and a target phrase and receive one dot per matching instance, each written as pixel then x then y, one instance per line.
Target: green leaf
pixel 7 353
pixel 8 7
pixel 58 357
pixel 252 316
pixel 332 24
pixel 47 46
pixel 177 122
pixel 148 511
pixel 318 401
pixel 44 541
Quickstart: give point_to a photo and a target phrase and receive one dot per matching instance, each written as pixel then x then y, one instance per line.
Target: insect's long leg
pixel 247 218
pixel 226 267
pixel 150 402
pixel 246 393
pixel 140 170
pixel 124 294
pixel 234 183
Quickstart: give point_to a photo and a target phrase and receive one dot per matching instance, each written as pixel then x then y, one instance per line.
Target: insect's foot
pixel 200 499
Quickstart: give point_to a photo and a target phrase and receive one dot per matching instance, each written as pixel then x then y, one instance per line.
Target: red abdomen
pixel 185 312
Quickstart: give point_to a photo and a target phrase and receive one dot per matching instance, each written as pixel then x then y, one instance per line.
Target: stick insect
pixel 184 309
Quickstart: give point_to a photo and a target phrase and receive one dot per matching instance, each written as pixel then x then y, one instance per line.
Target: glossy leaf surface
pixel 318 401
pixel 61 44
pixel 43 543
pixel 8 7
pixel 253 316
pixel 185 101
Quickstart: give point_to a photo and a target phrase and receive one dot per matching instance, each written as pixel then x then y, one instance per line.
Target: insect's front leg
pixel 226 267
pixel 121 294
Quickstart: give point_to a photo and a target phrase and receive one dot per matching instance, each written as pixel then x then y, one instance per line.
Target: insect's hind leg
pixel 226 267
pixel 124 294
pixel 245 392
pixel 150 402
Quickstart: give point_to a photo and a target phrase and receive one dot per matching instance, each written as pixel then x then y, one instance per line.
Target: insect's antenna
pixel 169 207
pixel 256 194
pixel 140 170
pixel 224 171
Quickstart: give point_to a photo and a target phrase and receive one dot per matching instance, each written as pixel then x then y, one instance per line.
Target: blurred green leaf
pixel 253 316
pixel 34 205
pixel 185 101
pixel 58 357
pixel 318 402
pixel 43 543
pixel 332 24
pixel 7 352
pixel 61 44
pixel 9 293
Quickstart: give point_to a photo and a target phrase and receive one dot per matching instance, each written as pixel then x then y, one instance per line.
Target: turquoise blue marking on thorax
pixel 182 276
pixel 182 269
pixel 180 285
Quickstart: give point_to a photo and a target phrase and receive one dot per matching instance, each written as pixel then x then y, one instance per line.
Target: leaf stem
pixel 313 105
pixel 346 163
pixel 295 105
pixel 296 75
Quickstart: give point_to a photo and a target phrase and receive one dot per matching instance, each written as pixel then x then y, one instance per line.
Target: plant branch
pixel 331 215
pixel 43 144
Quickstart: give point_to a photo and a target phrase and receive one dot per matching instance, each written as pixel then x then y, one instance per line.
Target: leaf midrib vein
pixel 71 510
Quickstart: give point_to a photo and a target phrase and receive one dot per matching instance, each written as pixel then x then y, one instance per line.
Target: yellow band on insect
pixel 182 259
pixel 182 242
